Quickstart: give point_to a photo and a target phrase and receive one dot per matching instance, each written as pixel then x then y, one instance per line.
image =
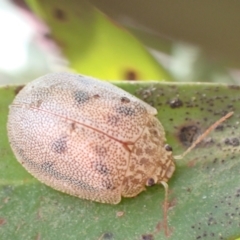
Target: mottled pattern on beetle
pixel 87 138
pixel 148 159
pixel 70 97
pixel 69 159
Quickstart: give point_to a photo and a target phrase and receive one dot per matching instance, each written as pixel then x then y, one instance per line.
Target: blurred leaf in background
pixel 94 45
pixel 76 32
pixel 211 27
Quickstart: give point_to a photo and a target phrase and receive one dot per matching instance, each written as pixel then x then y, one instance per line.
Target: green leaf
pixel 93 44
pixel 204 190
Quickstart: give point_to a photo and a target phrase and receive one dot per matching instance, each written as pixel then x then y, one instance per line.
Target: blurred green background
pixel 121 40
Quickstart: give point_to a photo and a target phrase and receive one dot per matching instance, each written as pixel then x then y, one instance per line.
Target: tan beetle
pixel 88 138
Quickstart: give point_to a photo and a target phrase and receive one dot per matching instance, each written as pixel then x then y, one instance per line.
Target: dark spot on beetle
pixel 147 237
pixel 59 14
pixel 149 151
pixel 125 100
pixel 100 151
pixel 73 126
pixel 130 75
pixel 176 103
pixel 51 171
pixel 106 183
pixel 126 111
pixel 232 142
pixel 101 168
pixel 187 134
pixel 47 167
pixel 20 151
pixel 154 132
pixel 113 120
pixel 36 104
pixel 96 96
pixel 18 89
pixel 81 97
pixel 139 151
pixel 144 161
pixel 107 236
pixel 168 148
pixel 60 145
pixel 150 182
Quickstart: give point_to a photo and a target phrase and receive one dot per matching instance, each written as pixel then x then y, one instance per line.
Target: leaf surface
pixel 204 190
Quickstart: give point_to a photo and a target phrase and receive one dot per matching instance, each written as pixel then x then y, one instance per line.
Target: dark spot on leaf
pixel 59 14
pixel 81 97
pixel 48 36
pixel 2 221
pixel 60 145
pixel 18 89
pixel 130 75
pixel 21 4
pixel 232 142
pixel 125 100
pixel 219 128
pixel 147 237
pixel 236 87
pixel 126 111
pixel 176 103
pixel 187 134
pixel 107 236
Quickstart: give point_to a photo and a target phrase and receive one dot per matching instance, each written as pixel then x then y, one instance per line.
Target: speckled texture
pixel 88 138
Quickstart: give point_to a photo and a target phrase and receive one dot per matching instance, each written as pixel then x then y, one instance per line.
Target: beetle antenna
pixel 202 136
